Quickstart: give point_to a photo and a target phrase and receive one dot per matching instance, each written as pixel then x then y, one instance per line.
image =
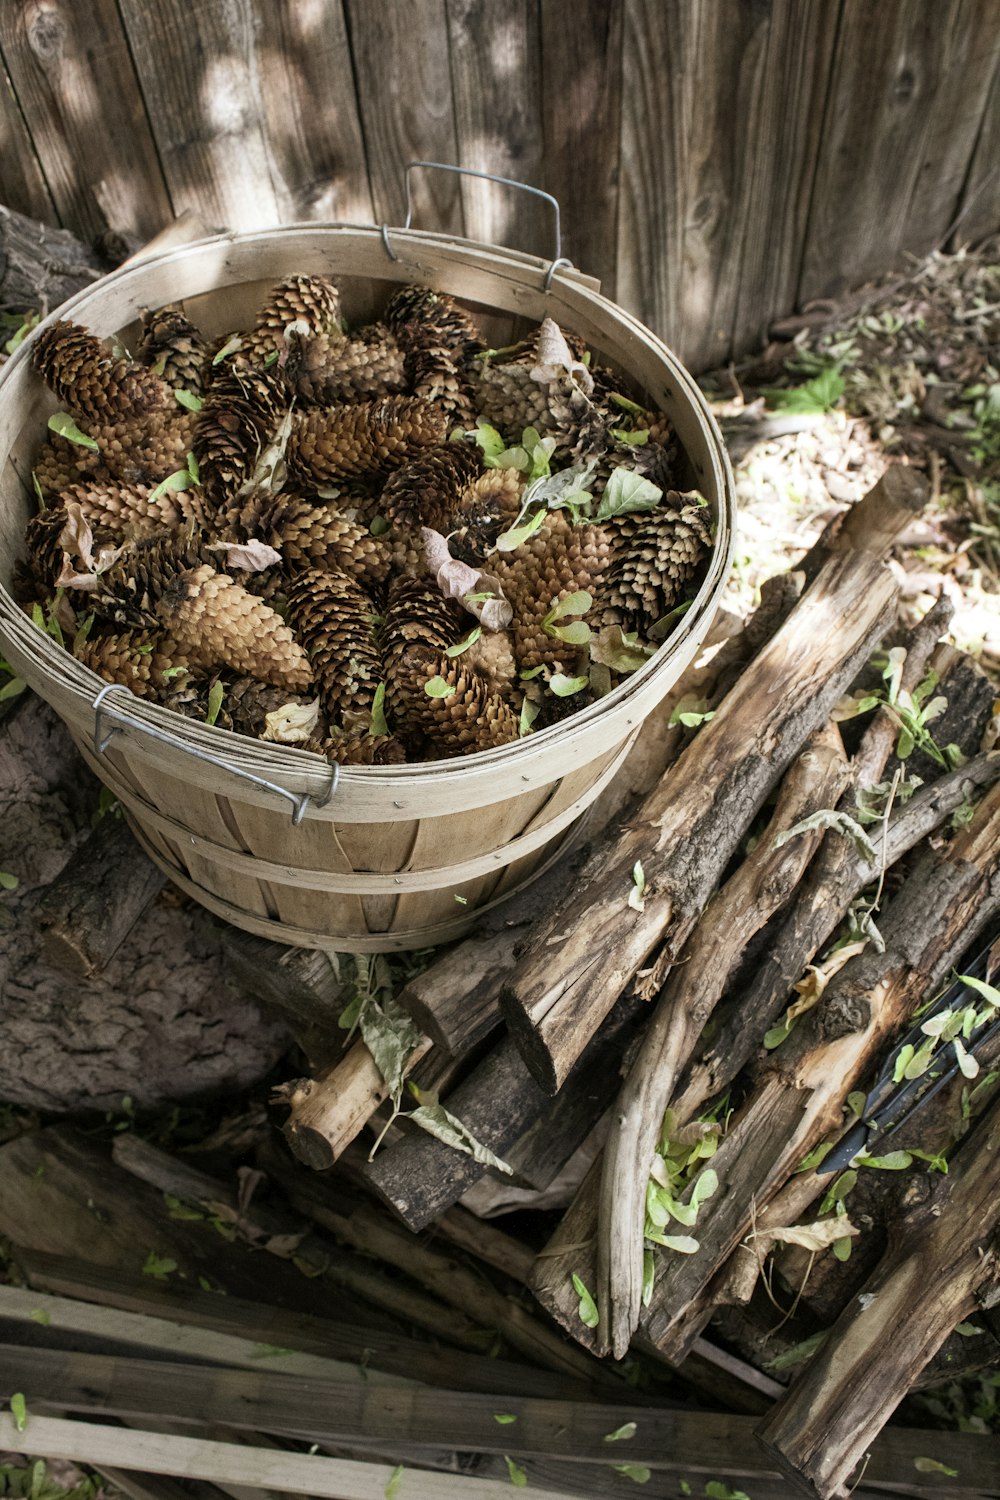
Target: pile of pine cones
pixel 385 545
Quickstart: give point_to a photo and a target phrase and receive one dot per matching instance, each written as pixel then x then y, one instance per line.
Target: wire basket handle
pixel 110 719
pixel 558 258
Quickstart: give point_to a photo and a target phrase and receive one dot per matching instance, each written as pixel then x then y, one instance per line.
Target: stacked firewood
pixel 722 977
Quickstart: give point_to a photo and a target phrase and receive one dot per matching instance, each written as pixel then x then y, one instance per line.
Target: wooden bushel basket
pixel 270 838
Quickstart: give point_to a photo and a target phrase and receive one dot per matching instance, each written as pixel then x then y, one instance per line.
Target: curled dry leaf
pixel 555 358
pixel 817 1236
pixel 818 976
pixel 247 557
pixel 478 592
pixel 292 723
pixel 77 541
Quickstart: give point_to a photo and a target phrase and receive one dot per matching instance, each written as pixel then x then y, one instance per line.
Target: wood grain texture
pixel 496 78
pixel 979 212
pixel 249 128
pixel 916 80
pixel 403 82
pixel 581 42
pixel 22 181
pixel 73 77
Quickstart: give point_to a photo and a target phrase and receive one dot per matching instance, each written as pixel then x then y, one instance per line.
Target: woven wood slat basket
pixel 377 864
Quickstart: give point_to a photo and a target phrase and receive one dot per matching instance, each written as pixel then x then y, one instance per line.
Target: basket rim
pixel 307 768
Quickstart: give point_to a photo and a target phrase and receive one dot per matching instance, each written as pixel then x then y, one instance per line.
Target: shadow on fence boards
pixel 718 162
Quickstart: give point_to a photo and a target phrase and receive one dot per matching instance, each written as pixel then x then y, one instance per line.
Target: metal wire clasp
pixel 105 730
pixel 440 166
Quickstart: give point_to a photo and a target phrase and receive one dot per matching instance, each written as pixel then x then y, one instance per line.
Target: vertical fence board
pixel 581 114
pixel 401 71
pixel 780 99
pixel 908 90
pixel 248 103
pixel 496 77
pixel 22 181
pixel 70 68
pixel 720 120
pixel 980 206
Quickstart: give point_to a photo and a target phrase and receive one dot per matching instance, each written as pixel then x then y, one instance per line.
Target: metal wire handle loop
pixel 441 166
pixel 104 733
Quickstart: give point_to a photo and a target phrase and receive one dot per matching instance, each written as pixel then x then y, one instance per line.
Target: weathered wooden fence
pixel 719 162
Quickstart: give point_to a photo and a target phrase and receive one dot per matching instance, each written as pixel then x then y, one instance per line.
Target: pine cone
pixel 492 657
pixel 139 450
pixel 174 348
pixel 655 554
pixel 428 491
pixel 469 717
pixel 359 749
pixel 90 382
pixel 425 319
pixel 650 460
pixel 56 467
pixel 44 552
pixel 559 559
pixel 487 507
pixel 435 375
pixel 143 661
pixel 334 618
pixel 219 623
pixel 319 536
pixel 248 702
pixel 417 613
pixel 362 368
pixel 122 511
pixel 130 591
pixel 373 436
pixel 242 410
pixel 311 300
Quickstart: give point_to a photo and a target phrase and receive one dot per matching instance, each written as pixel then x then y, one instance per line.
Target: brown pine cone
pixel 45 554
pixel 143 661
pixel 654 555
pixel 428 491
pixel 314 535
pixel 359 749
pixel 560 559
pixel 173 348
pixel 248 702
pixel 56 466
pixel 470 717
pixel 492 656
pixel 650 460
pixel 219 623
pixel 139 450
pixel 417 613
pixel 130 591
pixel 424 319
pixel 362 368
pixel 435 375
pixel 121 511
pixel 90 382
pixel 371 437
pixel 243 408
pixel 487 507
pixel 335 619
pixel 311 300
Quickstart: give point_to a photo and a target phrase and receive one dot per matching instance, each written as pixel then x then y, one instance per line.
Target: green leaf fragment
pixel 623 1433
pixel 8 882
pixel 648 1276
pixel 229 347
pixel 62 423
pixel 842 1247
pixel 507 541
pixel 931 1466
pixel 565 687
pixel 716 1490
pixel 12 689
pixel 188 400
pixel 158 1266
pixel 395 1479
pixel 39 1315
pixel 587 1310
pixel 436 687
pixel 529 713
pixel 515 1473
pixel 893 1161
pixel 463 645
pixel 378 724
pixel 626 492
pixel 638 1473
pixel 180 479
pixel 504 1418
pixel 215 696
pixel 969 1330
pixel 379 526
pixel 19 1411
